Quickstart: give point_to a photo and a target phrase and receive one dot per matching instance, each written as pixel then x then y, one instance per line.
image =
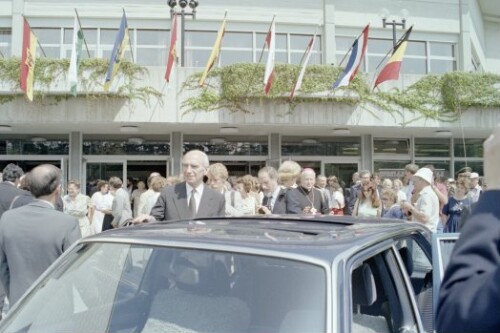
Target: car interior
pixel 204 291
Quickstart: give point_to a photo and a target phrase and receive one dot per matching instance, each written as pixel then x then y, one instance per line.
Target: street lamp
pixel 183 4
pixel 384 14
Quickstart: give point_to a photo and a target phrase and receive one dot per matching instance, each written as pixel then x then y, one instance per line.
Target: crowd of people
pixel 38 223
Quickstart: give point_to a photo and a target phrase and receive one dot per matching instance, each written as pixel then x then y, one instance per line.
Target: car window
pixel 379 298
pixel 131 288
pixel 418 266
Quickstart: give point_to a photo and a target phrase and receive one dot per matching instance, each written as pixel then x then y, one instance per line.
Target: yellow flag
pixel 215 53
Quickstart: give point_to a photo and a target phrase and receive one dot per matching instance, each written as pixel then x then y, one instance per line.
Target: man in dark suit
pixel 469 299
pixel 180 201
pixel 305 198
pixel 355 190
pixel 11 196
pixel 33 236
pixel 274 201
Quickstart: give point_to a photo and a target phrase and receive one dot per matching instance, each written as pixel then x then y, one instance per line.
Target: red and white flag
pixel 305 60
pixel 172 50
pixel 271 48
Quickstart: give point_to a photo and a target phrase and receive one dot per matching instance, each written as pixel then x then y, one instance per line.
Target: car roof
pixel 317 236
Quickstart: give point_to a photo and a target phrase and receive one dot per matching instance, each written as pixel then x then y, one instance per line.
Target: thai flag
pixel 358 52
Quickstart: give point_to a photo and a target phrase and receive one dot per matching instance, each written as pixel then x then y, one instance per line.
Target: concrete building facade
pixel 100 137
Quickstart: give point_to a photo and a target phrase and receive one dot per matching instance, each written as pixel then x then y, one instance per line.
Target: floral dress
pixel 454 209
pixel 79 209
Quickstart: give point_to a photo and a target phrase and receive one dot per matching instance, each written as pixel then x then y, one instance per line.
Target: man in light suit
pixel 180 202
pixel 121 209
pixel 33 236
pixel 469 298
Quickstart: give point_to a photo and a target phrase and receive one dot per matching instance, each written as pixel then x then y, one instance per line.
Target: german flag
pixel 393 66
pixel 28 61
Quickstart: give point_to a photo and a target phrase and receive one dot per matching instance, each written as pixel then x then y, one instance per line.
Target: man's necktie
pixel 192 204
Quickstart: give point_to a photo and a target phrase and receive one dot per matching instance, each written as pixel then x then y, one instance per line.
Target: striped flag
pixel 121 44
pixel 271 48
pixel 28 60
pixel 358 50
pixel 172 50
pixel 215 52
pixel 76 58
pixel 305 60
pixel 392 68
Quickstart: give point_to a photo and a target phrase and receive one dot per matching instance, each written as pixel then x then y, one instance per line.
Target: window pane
pixel 229 148
pixel 68 35
pixel 280 41
pixel 300 42
pixel 26 147
pixel 50 52
pixel 151 56
pixel 415 48
pixel 108 36
pixel 98 147
pixel 373 62
pixel 344 43
pixel 442 66
pixel 442 49
pixel 90 36
pixel 391 146
pixel 48 35
pixel 197 58
pixel 441 168
pixel 432 147
pixel 237 39
pixel 345 147
pixel 279 57
pixel 200 38
pixel 228 57
pixel 382 165
pixel 413 66
pixel 153 37
pixel 380 46
pixel 472 147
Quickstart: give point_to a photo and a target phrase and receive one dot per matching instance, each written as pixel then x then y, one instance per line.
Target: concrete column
pixel 176 141
pixel 274 150
pixel 75 156
pixel 17 27
pixel 328 37
pixel 464 46
pixel 367 152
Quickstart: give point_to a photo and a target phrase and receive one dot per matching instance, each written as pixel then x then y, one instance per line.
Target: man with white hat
pixel 426 209
pixel 475 188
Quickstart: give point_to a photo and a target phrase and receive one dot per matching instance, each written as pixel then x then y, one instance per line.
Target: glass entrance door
pixel 343 171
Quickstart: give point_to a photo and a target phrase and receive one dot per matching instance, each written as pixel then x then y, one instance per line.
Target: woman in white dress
pixel 102 201
pixel 78 205
pixel 135 197
pixel 157 184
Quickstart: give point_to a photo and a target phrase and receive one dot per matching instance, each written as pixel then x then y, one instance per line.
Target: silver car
pixel 259 274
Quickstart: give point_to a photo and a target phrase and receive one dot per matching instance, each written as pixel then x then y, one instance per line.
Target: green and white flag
pixel 76 52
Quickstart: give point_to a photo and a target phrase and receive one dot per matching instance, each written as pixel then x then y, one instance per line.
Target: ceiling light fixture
pixel 443 134
pixel 229 130
pixel 129 129
pixel 341 131
pixel 309 141
pixel 5 128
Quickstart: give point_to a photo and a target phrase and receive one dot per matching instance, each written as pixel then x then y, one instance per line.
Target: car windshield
pixel 109 287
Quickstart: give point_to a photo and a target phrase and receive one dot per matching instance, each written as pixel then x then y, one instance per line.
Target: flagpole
pixel 83 35
pixel 37 40
pixel 129 44
pixel 352 45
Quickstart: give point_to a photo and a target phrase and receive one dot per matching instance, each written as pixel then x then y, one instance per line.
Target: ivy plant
pixel 91 73
pixel 441 97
